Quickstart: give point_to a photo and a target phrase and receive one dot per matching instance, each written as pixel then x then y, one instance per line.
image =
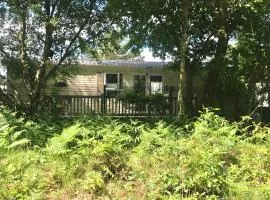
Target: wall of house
pixel 80 85
pixel 89 80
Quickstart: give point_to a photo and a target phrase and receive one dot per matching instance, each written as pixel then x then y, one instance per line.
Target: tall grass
pixel 105 158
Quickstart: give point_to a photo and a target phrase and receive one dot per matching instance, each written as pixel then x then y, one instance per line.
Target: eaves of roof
pixel 124 63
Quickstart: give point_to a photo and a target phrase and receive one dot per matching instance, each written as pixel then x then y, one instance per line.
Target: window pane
pixel 156 84
pixel 111 78
pixel 139 83
pixel 111 81
pixel 156 78
pixel 156 87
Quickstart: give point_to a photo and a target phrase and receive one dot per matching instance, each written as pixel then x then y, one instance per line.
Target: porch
pixel 83 105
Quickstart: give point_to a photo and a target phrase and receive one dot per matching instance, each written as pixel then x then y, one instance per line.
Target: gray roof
pixel 124 63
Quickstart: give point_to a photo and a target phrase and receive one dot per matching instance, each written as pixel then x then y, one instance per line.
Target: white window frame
pixel 118 81
pixel 162 83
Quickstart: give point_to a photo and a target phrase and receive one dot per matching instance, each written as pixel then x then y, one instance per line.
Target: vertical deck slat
pixel 110 105
pixel 87 105
pixel 119 107
pixel 91 105
pixel 83 105
pixel 122 108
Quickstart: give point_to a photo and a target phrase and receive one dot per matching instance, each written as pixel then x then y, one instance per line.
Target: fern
pixel 19 143
pixel 59 144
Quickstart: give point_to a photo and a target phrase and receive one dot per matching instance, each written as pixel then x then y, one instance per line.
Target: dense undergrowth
pixel 105 158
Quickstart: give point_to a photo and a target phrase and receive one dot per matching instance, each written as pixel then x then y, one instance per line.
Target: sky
pixel 148 56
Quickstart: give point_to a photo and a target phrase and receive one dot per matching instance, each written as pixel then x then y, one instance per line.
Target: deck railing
pixel 81 105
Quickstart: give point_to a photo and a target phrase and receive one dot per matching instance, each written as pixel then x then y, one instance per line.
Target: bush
pixel 155 103
pixel 100 157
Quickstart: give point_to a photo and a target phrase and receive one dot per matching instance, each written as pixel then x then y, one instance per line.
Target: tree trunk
pixel 6 99
pixel 183 49
pixel 218 63
pixel 40 81
pixel 188 98
pixel 252 95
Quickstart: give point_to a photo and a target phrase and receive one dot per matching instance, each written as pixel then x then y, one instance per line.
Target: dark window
pixel 156 78
pixel 139 83
pixel 111 78
pixel 114 81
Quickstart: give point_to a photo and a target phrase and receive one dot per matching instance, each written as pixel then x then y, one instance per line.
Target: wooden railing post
pixel 103 104
pixel 74 104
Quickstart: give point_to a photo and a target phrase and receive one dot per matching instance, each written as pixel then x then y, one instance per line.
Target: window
pixel 155 84
pixel 139 83
pixel 114 81
pixel 111 81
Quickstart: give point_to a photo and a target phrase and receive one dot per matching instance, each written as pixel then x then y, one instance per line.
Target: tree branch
pixel 67 52
pixel 23 36
pixel 54 7
pixel 6 99
pixel 40 74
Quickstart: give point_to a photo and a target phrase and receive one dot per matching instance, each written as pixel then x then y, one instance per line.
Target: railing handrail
pixel 82 104
pixel 98 96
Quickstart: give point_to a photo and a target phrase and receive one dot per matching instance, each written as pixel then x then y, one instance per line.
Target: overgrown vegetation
pixel 105 158
pixel 156 102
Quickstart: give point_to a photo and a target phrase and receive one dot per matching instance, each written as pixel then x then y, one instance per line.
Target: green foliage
pixel 131 96
pixel 156 102
pixel 48 37
pixel 100 157
pixel 63 143
pixel 15 133
pixel 215 28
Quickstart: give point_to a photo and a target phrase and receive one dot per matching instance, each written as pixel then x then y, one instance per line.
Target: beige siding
pixel 169 78
pixel 81 85
pixel 100 83
pixel 90 79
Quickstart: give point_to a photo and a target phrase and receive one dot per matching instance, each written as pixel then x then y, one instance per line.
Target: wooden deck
pixel 82 105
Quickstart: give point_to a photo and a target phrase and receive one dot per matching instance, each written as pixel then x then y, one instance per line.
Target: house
pixel 97 84
pixel 95 81
pixel 111 77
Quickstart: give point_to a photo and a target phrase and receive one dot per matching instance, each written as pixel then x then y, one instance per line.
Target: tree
pixel 197 40
pixel 40 39
pixel 162 26
pixel 251 57
pixel 185 8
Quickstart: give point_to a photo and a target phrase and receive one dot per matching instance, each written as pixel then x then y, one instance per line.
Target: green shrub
pixel 100 157
pixel 20 132
pixel 157 103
